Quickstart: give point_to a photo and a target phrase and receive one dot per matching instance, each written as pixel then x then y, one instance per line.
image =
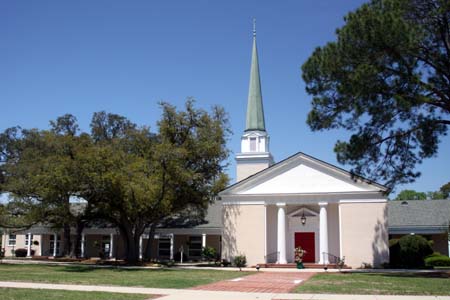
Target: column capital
pixel 323 203
pixel 281 204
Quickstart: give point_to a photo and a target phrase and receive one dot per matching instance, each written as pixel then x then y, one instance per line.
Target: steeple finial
pixel 254 26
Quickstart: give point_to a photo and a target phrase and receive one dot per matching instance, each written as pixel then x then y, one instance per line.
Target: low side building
pixel 429 218
pixel 187 236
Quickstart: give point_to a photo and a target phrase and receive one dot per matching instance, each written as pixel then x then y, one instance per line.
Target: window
pixel 26 239
pixel 253 144
pixel 12 240
pixel 106 244
pixel 164 247
pixel 52 243
pixel 195 246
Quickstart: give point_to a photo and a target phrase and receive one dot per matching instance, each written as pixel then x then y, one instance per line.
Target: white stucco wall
pixel 244 232
pixel 271 238
pixel 364 235
pixel 20 243
pixel 333 229
pixel 246 169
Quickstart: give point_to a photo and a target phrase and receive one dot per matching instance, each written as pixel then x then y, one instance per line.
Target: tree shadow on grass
pixel 438 274
pixel 77 269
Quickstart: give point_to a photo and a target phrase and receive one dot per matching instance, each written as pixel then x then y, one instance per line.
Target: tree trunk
pixel 66 241
pixel 131 244
pixel 151 238
pixel 66 226
pixel 75 251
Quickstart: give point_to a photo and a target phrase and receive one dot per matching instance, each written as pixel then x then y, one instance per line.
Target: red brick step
pixel 307 266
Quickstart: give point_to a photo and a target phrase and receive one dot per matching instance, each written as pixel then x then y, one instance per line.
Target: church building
pixel 272 209
pixel 300 201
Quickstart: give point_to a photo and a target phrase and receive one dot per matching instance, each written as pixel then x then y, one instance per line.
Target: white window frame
pixel 26 239
pixel 52 242
pixel 10 244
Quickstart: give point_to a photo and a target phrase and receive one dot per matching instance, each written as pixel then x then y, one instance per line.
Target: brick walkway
pixel 263 282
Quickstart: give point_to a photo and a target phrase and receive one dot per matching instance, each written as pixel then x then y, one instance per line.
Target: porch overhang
pixel 417 229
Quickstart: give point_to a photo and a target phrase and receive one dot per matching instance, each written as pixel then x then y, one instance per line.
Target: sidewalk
pixel 181 294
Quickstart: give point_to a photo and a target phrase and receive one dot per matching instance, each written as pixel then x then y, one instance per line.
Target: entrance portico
pixel 311 232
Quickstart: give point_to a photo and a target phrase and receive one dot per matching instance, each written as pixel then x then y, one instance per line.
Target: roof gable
pixel 302 174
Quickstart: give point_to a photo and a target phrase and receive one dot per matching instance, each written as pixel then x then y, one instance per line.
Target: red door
pixel 307 242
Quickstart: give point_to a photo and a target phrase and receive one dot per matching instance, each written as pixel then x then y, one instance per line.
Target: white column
pixel 40 245
pixel 55 241
pixel 203 240
pixel 323 252
pixel 171 246
pixel 140 247
pixel 203 243
pixel 111 244
pixel 29 245
pixel 281 236
pixel 83 244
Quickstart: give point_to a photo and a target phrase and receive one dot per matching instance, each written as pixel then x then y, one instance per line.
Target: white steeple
pixel 254 155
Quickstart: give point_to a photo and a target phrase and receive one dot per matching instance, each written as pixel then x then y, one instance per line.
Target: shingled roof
pixel 419 216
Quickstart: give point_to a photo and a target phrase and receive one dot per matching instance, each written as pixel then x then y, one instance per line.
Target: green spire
pixel 255 111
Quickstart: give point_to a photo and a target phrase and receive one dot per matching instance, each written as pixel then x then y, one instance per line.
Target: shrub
pixel 437 261
pixel 434 254
pixel 410 252
pixel 240 261
pixel 2 252
pixel 392 242
pixel 209 253
pixel 394 254
pixel 225 263
pixel 21 252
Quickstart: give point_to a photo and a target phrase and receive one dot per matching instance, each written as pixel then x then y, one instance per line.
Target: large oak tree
pixel 386 79
pixel 131 178
pixel 39 173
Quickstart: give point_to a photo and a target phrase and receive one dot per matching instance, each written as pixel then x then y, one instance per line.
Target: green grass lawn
pixel 374 284
pixel 157 278
pixel 22 294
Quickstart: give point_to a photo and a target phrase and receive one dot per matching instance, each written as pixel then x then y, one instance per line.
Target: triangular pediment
pixel 302 174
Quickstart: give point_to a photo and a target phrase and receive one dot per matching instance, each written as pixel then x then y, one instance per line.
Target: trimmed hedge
pixel 21 252
pixel 409 252
pixel 437 261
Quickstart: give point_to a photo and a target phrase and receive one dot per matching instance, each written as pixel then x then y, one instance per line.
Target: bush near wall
pixel 22 252
pixel 209 253
pixel 409 251
pixel 240 261
pixel 437 260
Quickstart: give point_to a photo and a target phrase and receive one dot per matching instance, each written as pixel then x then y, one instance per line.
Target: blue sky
pixel 124 57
